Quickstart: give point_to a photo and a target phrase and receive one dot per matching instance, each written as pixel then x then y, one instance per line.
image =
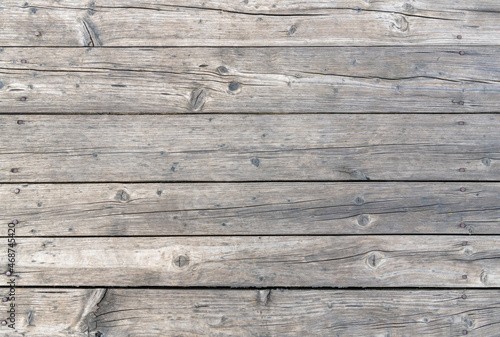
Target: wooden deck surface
pixel 249 168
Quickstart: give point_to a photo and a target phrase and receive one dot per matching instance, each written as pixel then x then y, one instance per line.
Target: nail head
pixel 22 99
pixel 462 225
pixel 4 323
pixel 464 296
pixel 462 169
pixel 14 170
pixel 5 299
pixel 17 191
pixel 462 189
pixel 462 52
pixel 459 37
pixel 464 277
pixel 464 243
pixel 37 34
pixel 15 222
pixel 465 332
pixel 461 123
pixel 23 61
pixel 8 273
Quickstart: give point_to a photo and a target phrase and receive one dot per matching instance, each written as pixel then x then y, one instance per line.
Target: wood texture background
pixel 250 209
pixel 249 148
pixel 252 23
pixel 266 261
pixel 261 312
pixel 250 80
pixel 155 155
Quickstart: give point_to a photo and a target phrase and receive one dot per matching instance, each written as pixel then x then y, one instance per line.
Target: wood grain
pixel 250 209
pixel 247 23
pixel 305 147
pixel 251 261
pixel 262 312
pixel 236 80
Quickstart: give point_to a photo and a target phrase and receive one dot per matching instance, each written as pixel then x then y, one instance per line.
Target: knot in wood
pixel 401 24
pixel 364 220
pixel 198 99
pixel 181 261
pixel 122 196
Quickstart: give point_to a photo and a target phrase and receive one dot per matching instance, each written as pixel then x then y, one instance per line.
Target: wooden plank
pixel 250 209
pixel 263 312
pixel 252 23
pixel 148 148
pixel 251 261
pixel 45 312
pixel 173 80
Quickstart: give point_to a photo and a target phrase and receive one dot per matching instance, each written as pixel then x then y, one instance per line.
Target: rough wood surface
pixel 250 209
pixel 232 80
pixel 251 261
pixel 264 312
pixel 249 148
pixel 247 23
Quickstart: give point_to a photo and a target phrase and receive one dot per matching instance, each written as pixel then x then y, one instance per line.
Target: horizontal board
pixel 250 208
pixel 267 312
pixel 142 148
pixel 249 80
pixel 251 261
pixel 248 23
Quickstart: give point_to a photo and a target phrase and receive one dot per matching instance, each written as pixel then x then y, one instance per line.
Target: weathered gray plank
pixel 247 23
pixel 143 148
pixel 50 312
pixel 250 208
pixel 251 261
pixel 363 79
pixel 266 312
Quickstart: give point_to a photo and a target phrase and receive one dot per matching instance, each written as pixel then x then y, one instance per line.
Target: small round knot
pixel 486 161
pixel 181 261
pixel 222 70
pixel 233 86
pixel 364 220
